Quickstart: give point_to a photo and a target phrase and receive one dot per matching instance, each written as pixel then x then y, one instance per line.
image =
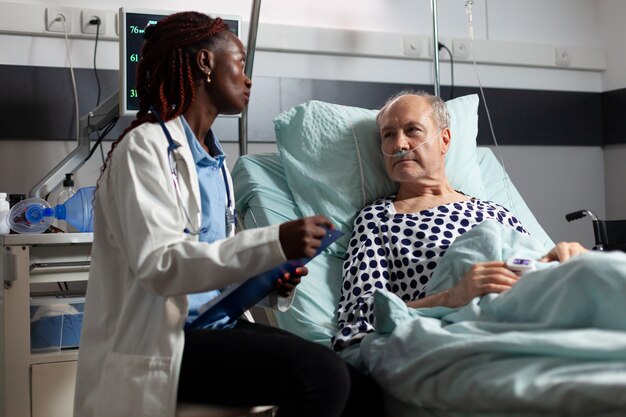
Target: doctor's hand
pixel 563 251
pixel 482 278
pixel 286 285
pixel 302 237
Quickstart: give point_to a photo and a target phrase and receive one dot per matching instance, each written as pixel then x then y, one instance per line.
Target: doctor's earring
pixel 208 76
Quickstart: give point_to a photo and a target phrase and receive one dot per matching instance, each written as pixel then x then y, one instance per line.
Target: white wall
pixel 613 16
pixel 567 23
pixel 542 174
pixel 555 181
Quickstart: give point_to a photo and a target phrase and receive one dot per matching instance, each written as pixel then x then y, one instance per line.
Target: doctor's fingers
pixel 288 282
pixel 317 226
pixel 294 278
pixel 300 271
pixel 284 289
pixel 302 237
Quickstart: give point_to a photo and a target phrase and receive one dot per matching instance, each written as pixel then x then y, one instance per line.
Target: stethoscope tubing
pixel 174 172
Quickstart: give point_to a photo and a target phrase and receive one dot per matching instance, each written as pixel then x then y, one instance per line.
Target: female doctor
pixel 164 242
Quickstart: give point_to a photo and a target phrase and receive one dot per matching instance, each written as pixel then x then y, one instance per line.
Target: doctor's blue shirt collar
pixel 200 156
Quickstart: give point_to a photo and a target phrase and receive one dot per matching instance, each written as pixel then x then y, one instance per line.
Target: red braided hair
pixel 164 74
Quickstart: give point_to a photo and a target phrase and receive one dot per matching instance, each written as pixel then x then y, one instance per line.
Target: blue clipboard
pixel 236 299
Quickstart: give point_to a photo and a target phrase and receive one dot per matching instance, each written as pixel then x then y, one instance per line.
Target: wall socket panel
pixel 563 57
pixel 87 15
pixel 412 46
pixel 461 48
pixel 53 25
pixel 443 54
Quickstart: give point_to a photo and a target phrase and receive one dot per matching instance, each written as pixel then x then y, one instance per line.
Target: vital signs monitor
pixel 132 23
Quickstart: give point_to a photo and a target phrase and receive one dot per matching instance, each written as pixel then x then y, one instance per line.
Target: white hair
pixel 440 115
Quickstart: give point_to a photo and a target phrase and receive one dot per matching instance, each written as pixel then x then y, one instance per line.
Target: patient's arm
pixel 563 251
pixel 482 278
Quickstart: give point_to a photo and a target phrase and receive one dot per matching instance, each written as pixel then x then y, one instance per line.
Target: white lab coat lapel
pixel 187 174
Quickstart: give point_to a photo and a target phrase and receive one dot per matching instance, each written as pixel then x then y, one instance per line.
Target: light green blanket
pixel 555 342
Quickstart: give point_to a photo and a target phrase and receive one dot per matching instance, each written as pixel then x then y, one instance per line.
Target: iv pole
pixel 433 4
pixel 251 48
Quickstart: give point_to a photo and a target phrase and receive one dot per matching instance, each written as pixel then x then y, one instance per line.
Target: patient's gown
pixel 399 252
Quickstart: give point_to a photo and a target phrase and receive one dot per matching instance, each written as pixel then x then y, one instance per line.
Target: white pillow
pixel 333 163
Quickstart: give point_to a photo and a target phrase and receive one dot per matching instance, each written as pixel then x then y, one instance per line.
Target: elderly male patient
pixel 398 240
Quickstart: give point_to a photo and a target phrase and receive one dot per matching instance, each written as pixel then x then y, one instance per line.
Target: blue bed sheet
pixel 554 343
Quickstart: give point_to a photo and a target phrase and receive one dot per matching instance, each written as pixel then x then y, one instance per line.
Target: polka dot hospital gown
pixel 398 253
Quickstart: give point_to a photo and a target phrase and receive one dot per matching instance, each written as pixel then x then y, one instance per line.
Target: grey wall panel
pixel 539 118
pixel 613 116
pixel 37 103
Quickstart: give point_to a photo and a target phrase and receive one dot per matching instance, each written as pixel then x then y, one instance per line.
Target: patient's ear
pixel 446 135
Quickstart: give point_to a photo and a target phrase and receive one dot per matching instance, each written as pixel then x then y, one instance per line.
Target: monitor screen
pixel 132 23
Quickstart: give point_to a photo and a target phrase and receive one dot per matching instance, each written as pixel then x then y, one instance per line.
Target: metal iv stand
pixel 243 120
pixel 433 5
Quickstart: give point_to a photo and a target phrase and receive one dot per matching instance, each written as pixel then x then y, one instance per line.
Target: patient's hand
pixel 563 251
pixel 288 282
pixel 482 278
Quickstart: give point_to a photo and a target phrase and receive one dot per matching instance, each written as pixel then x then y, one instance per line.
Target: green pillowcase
pixel 333 163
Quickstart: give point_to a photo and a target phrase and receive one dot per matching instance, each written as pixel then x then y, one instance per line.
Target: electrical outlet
pixel 563 57
pixel 412 46
pixel 443 54
pixel 54 19
pixel 86 15
pixel 461 48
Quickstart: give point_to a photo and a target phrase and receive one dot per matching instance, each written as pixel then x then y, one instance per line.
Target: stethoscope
pixel 231 217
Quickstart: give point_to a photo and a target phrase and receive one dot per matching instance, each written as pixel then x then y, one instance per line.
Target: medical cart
pixel 38 382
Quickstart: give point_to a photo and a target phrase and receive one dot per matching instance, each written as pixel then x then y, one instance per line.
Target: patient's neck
pixel 412 198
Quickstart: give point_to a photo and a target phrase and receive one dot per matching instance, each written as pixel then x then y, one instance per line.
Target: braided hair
pixel 165 75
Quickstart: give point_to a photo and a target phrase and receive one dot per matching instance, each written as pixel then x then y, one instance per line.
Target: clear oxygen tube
pixel 470 35
pixel 404 152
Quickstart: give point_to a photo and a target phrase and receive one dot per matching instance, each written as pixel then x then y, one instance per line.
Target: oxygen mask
pixel 35 215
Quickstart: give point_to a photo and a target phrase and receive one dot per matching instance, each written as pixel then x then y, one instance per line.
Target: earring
pixel 208 76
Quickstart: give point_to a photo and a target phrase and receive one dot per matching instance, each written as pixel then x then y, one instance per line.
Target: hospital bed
pixel 329 163
pixel 266 194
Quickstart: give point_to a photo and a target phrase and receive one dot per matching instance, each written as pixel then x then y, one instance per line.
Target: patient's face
pixel 406 124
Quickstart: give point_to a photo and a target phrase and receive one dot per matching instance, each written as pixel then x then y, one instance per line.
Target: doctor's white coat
pixel 142 267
